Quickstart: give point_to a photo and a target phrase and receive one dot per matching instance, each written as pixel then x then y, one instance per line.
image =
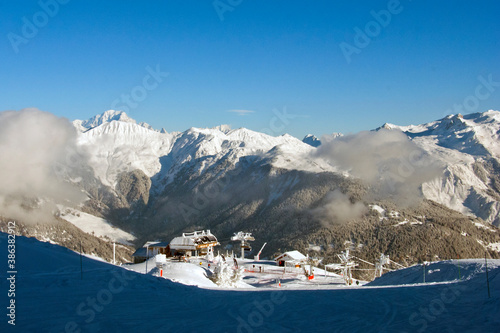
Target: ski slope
pixel 264 274
pixel 96 226
pixel 51 296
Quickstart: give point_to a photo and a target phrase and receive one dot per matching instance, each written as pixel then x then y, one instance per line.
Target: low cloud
pixel 387 161
pixel 38 149
pixel 338 208
pixel 390 165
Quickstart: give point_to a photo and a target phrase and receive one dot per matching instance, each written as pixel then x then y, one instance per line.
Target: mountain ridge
pixel 467 145
pixel 156 185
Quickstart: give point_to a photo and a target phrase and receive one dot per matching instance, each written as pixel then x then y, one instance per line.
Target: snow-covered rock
pixel 311 140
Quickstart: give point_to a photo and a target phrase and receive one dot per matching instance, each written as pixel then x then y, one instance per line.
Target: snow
pixel 379 209
pixel 394 214
pixel 494 246
pixel 401 223
pixel 437 272
pixel 189 274
pixel 291 256
pixel 106 117
pixel 95 225
pixel 51 296
pixel 116 143
pixel 124 146
pixel 482 226
pixel 313 247
pixel 406 221
pixel 459 142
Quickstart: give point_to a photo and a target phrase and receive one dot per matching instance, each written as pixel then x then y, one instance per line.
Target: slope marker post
pixel 81 262
pixel 487 279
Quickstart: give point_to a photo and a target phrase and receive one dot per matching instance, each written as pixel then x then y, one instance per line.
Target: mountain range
pixel 313 195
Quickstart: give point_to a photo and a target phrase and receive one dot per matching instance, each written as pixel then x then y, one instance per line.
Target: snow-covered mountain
pixel 106 117
pixel 119 144
pixel 155 185
pixel 469 147
pixel 158 184
pixel 311 140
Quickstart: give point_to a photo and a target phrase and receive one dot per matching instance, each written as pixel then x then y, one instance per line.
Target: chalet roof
pixel 159 244
pixel 193 240
pixel 294 256
pixel 141 252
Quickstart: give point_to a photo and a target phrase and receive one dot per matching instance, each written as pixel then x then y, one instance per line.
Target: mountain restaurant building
pixel 150 249
pixel 193 243
pixel 290 258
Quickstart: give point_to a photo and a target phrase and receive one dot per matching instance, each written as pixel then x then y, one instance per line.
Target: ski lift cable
pixel 364 261
pixel 396 263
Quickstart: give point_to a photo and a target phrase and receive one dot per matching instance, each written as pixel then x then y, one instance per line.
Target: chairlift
pixel 246 246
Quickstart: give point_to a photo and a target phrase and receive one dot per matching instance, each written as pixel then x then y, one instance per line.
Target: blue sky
pixel 265 57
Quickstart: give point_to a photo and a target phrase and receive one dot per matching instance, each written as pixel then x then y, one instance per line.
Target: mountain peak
pixel 224 128
pixel 106 117
pixel 311 140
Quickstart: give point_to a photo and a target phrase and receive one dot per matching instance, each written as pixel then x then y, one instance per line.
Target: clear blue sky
pixel 263 56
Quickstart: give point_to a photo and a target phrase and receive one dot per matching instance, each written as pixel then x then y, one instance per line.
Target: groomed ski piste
pixel 53 295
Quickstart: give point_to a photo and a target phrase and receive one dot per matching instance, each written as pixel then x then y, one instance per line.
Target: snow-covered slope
pixel 469 147
pixel 96 226
pixel 311 140
pixel 475 134
pixel 106 117
pixel 53 296
pixel 118 144
pixel 437 272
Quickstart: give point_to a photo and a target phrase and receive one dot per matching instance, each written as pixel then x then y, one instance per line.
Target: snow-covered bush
pixel 225 275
